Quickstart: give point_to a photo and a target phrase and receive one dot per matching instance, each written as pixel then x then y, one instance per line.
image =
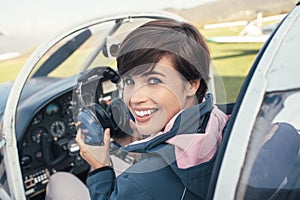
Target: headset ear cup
pixel 90 127
pixel 120 117
pixel 101 115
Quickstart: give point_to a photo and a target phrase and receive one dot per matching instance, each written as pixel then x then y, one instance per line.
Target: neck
pixel 123 141
pixel 191 101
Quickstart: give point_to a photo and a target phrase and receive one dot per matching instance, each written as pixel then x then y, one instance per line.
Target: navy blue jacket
pixel 156 175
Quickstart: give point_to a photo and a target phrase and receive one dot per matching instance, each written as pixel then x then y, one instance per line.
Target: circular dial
pixel 57 129
pixel 26 161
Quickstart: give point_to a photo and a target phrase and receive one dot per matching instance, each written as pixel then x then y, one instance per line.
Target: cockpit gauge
pixel 52 108
pixel 37 133
pixel 57 129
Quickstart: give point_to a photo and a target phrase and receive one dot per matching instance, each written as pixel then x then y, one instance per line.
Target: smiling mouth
pixel 143 113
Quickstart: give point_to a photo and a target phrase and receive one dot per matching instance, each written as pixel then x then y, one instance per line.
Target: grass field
pixel 9 69
pixel 231 61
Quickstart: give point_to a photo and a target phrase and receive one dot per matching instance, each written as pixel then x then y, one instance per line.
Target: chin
pixel 148 130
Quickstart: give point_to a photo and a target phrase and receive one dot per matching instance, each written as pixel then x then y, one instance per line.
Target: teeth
pixel 144 112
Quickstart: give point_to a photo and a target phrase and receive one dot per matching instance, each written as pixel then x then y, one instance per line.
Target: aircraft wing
pixel 239 39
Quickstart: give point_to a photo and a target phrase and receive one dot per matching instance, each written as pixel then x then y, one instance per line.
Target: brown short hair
pixel 182 41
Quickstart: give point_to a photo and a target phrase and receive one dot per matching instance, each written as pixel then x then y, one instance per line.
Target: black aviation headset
pixel 94 118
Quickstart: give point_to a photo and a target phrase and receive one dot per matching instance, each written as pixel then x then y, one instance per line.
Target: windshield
pixel 91 46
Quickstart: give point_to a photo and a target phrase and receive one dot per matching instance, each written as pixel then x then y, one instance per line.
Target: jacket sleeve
pixel 104 185
pixel 101 183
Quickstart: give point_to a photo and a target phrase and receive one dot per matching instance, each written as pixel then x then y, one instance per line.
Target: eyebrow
pixel 145 74
pixel 152 73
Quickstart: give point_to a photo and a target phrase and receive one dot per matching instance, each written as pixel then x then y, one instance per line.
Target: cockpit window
pixel 272 166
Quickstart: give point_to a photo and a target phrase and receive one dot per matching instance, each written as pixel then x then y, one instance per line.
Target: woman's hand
pixel 96 156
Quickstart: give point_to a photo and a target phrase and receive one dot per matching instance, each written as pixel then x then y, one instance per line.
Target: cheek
pixel 169 102
pixel 126 97
pixel 173 97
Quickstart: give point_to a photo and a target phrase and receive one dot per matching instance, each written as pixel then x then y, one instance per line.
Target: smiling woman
pixel 165 65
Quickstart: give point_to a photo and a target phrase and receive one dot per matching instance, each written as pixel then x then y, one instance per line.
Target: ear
pixel 194 85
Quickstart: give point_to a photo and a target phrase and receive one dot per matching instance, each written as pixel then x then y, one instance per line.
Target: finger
pixel 107 136
pixel 80 140
pixel 77 123
pixel 83 154
pixel 78 136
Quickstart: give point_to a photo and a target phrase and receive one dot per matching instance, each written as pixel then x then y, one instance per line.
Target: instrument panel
pixel 49 145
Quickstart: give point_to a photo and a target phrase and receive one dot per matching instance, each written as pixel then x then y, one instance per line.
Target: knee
pixel 63 185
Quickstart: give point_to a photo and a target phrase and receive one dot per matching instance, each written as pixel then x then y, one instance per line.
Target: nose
pixel 138 95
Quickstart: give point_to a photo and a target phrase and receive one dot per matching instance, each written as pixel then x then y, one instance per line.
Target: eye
pixel 154 81
pixel 128 81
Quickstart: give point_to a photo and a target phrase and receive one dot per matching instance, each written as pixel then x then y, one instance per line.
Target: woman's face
pixel 154 97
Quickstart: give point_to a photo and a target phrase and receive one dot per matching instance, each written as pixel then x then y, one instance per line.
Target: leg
pixel 63 185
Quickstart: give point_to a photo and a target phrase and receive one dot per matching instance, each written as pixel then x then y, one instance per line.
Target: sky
pixel 42 18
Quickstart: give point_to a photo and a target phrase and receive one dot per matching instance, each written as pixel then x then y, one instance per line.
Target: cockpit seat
pixel 277 165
